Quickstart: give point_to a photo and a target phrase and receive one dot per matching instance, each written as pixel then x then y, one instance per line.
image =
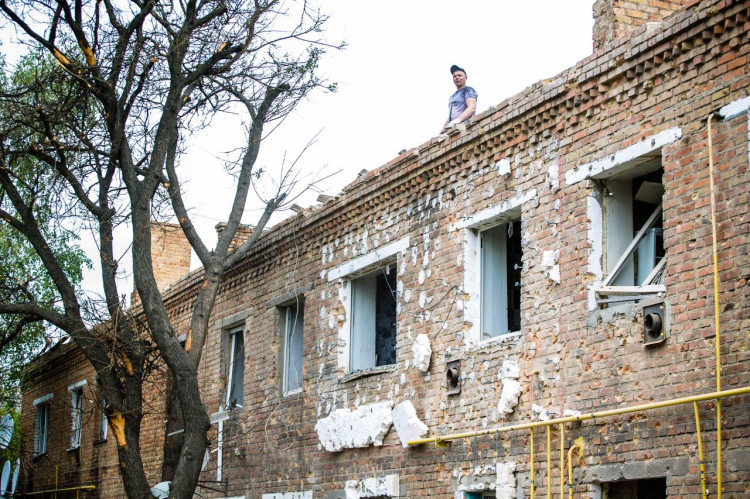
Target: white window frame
pixel 629 159
pixel 489 313
pixel 375 259
pixel 233 358
pixel 293 324
pixel 76 413
pixel 364 335
pixel 42 407
pixel 473 226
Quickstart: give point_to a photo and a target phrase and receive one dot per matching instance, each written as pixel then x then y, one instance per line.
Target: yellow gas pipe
pixel 549 464
pixel 716 307
pixel 577 445
pixel 700 450
pixel 562 460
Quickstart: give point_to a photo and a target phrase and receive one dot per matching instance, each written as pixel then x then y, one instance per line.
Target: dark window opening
pixel 373 329
pixel 650 488
pixel 502 265
pixel 236 381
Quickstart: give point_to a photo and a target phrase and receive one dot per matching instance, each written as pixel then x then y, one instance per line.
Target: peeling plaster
pixel 384 486
pixel 345 429
pixel 549 260
pixel 407 423
pixel 553 177
pixel 503 166
pixel 509 374
pixel 505 483
pixel 422 352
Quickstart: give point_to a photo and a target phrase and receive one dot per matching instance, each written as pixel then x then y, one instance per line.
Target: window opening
pixel 293 335
pixel 373 341
pixel 479 495
pixel 76 396
pixel 635 256
pixel 650 488
pixel 501 266
pixel 41 427
pixel 235 383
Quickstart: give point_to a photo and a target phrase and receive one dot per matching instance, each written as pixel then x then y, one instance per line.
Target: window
pixel 76 413
pixel 102 415
pixel 373 330
pixel 236 378
pixel 479 495
pixel 293 319
pixel 41 424
pixel 501 264
pixel 633 230
pixel 650 488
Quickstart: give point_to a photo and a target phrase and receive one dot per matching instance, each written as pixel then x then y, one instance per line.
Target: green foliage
pixel 23 277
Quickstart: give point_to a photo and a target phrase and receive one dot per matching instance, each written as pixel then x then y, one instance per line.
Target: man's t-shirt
pixel 457 102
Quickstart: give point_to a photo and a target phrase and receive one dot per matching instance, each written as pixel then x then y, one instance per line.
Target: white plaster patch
pixel 421 277
pixel 553 177
pixel 549 258
pixel 509 397
pixel 630 153
pixel 540 413
pixel 383 486
pixel 503 166
pixel 505 482
pixel 305 494
pixel 407 423
pixel 345 429
pixel 510 369
pixel 553 274
pixel 735 108
pixel 422 352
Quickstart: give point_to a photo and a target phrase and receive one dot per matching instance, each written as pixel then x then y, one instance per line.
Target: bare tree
pixel 111 120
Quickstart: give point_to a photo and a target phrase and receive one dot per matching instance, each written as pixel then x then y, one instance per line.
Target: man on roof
pixel 463 103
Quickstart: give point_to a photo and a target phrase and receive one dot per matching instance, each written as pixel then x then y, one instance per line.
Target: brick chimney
pixel 170 255
pixel 243 234
pixel 614 19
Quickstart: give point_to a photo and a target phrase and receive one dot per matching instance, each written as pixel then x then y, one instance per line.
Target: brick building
pixel 553 258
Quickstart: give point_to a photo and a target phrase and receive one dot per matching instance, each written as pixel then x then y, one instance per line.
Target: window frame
pixel 357 286
pixel 610 165
pixel 76 414
pixel 232 355
pixel 284 314
pixel 42 406
pixel 506 327
pixel 371 261
pixel 609 291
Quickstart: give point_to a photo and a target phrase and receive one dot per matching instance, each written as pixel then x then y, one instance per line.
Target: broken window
pixel 501 262
pixel 373 333
pixel 649 488
pixel 236 376
pixel 293 318
pixel 634 253
pixel 76 413
pixel 41 424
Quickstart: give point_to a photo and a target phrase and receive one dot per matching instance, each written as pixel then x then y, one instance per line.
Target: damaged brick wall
pixel 528 158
